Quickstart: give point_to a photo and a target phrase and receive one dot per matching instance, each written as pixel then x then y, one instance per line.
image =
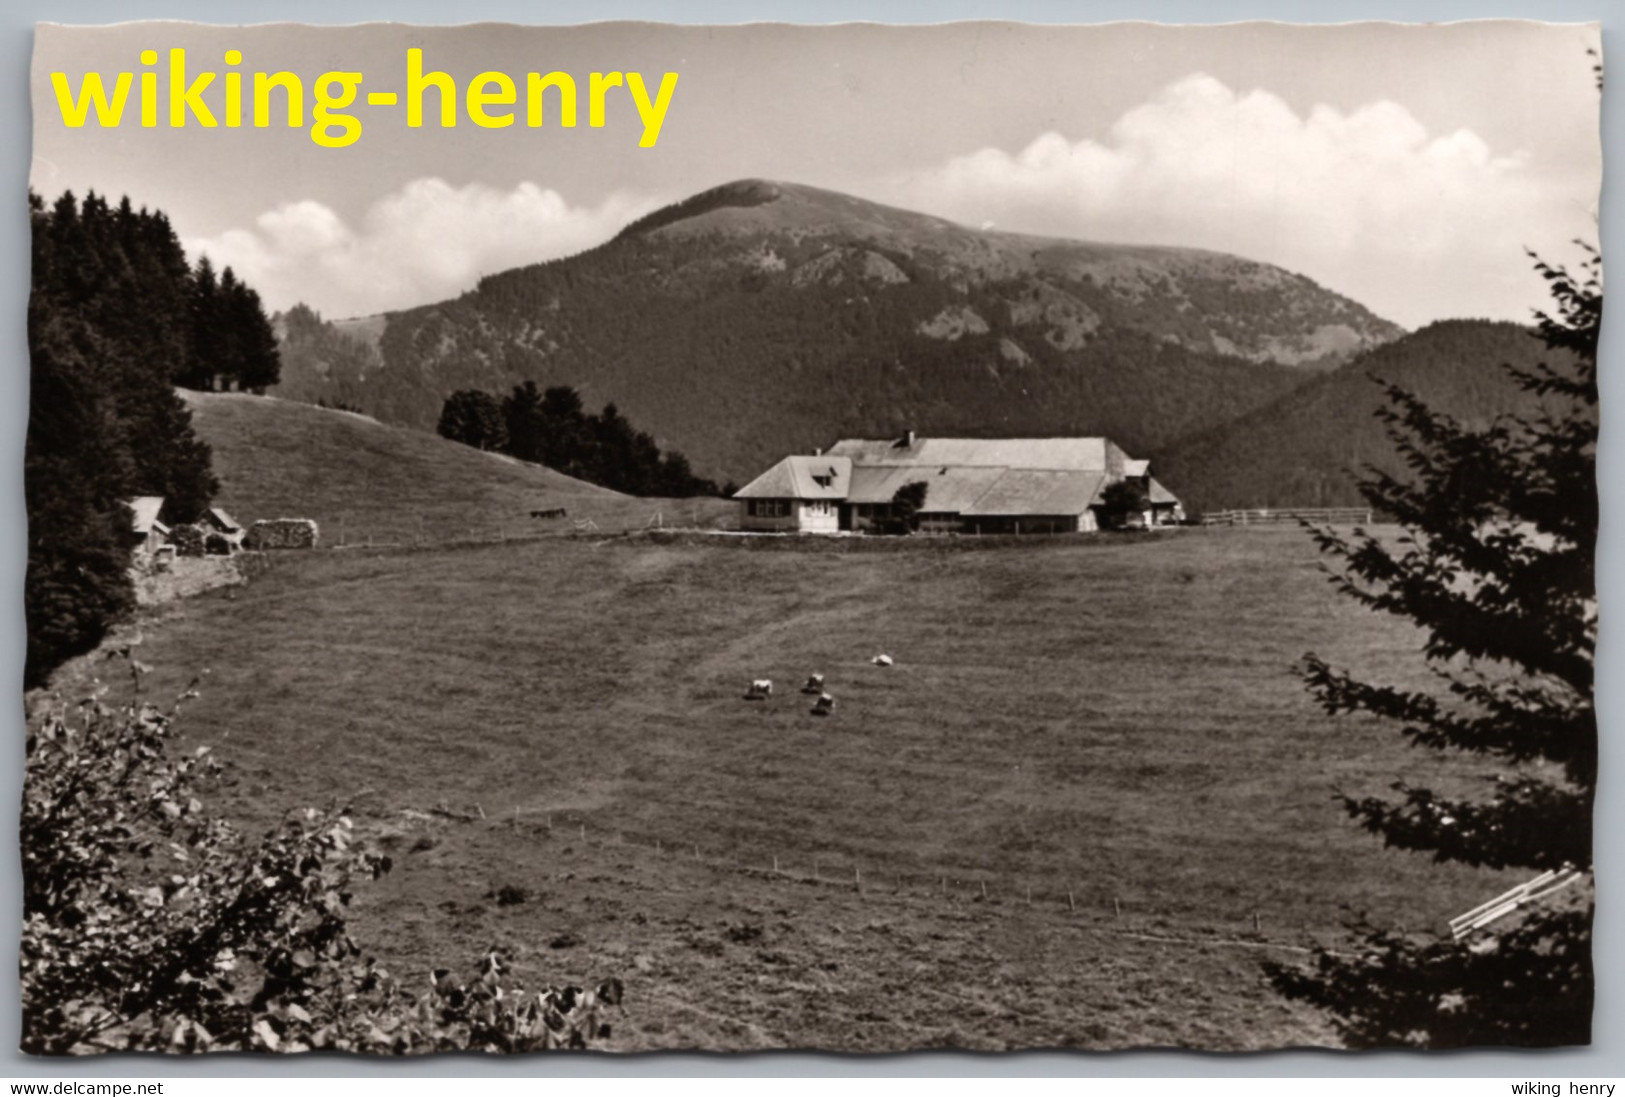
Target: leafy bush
pixel 1124 501
pixel 904 516
pixel 151 924
pixel 189 540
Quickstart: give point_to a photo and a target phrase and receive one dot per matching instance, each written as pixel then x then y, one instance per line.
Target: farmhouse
pixel 972 485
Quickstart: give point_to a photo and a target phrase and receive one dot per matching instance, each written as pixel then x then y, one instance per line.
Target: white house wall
pixel 800 516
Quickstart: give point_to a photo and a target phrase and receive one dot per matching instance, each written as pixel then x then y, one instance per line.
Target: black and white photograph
pixel 859 538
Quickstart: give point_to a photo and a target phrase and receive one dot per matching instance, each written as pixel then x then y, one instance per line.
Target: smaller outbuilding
pixel 216 521
pixel 147 533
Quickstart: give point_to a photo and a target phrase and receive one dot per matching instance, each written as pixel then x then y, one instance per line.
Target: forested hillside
pixel 116 319
pixel 1300 449
pixel 321 364
pixel 761 318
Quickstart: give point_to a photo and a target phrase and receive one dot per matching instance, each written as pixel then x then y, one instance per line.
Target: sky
pixel 1408 167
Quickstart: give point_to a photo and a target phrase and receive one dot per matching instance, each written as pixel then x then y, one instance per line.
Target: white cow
pixel 882 660
pixel 815 684
pixel 824 705
pixel 760 688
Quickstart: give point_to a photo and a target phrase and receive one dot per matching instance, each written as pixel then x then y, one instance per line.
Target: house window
pixel 768 508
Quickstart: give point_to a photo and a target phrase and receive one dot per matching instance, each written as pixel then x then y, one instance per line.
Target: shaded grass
pixel 1115 718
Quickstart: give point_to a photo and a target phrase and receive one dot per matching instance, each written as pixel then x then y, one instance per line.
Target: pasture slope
pixel 1081 726
pixel 361 479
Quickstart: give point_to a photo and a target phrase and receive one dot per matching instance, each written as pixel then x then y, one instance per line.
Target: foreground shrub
pixel 151 924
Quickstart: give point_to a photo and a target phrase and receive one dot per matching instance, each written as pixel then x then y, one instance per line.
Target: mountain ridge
pixel 761 316
pixel 1310 446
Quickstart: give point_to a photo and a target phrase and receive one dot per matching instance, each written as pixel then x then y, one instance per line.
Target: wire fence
pixel 1088 907
pixel 1290 516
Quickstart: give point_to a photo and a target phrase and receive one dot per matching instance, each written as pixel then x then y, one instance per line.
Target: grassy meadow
pixel 1086 802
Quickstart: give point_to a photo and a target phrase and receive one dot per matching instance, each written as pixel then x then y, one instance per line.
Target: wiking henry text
pixel 491 100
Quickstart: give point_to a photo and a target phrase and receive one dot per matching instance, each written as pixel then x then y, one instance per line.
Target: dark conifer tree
pixel 110 326
pixel 1498 569
pixel 550 428
pixel 77 472
pixel 207 349
pixel 259 361
pixel 474 418
pixel 522 418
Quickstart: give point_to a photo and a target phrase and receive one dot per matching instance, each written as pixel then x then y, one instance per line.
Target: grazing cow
pixel 882 660
pixel 815 684
pixel 759 689
pixel 824 705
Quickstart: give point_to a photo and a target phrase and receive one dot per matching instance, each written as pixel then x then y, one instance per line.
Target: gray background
pixel 1605 1058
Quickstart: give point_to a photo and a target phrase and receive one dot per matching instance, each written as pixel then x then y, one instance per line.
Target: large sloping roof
pixel 1160 494
pixel 797 477
pixel 146 508
pixel 1038 491
pixel 1076 454
pixel 1131 467
pixel 225 521
pixel 878 483
pixel 956 490
pixel 948 489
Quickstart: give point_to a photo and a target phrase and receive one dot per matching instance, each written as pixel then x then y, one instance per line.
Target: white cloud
pixel 425 242
pixel 1415 226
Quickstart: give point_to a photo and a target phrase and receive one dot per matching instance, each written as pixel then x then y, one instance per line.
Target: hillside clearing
pixel 1114 718
pixel 364 481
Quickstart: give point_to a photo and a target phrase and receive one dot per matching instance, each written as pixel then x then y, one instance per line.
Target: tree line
pixel 117 317
pixel 551 427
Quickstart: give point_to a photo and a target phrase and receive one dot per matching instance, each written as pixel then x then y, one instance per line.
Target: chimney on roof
pixel 908 438
pixel 818 451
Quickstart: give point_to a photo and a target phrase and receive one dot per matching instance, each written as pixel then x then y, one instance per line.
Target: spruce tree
pixel 76 476
pixel 473 418
pixel 1497 568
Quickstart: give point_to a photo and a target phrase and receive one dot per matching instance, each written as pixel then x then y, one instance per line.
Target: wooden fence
pixel 1291 516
